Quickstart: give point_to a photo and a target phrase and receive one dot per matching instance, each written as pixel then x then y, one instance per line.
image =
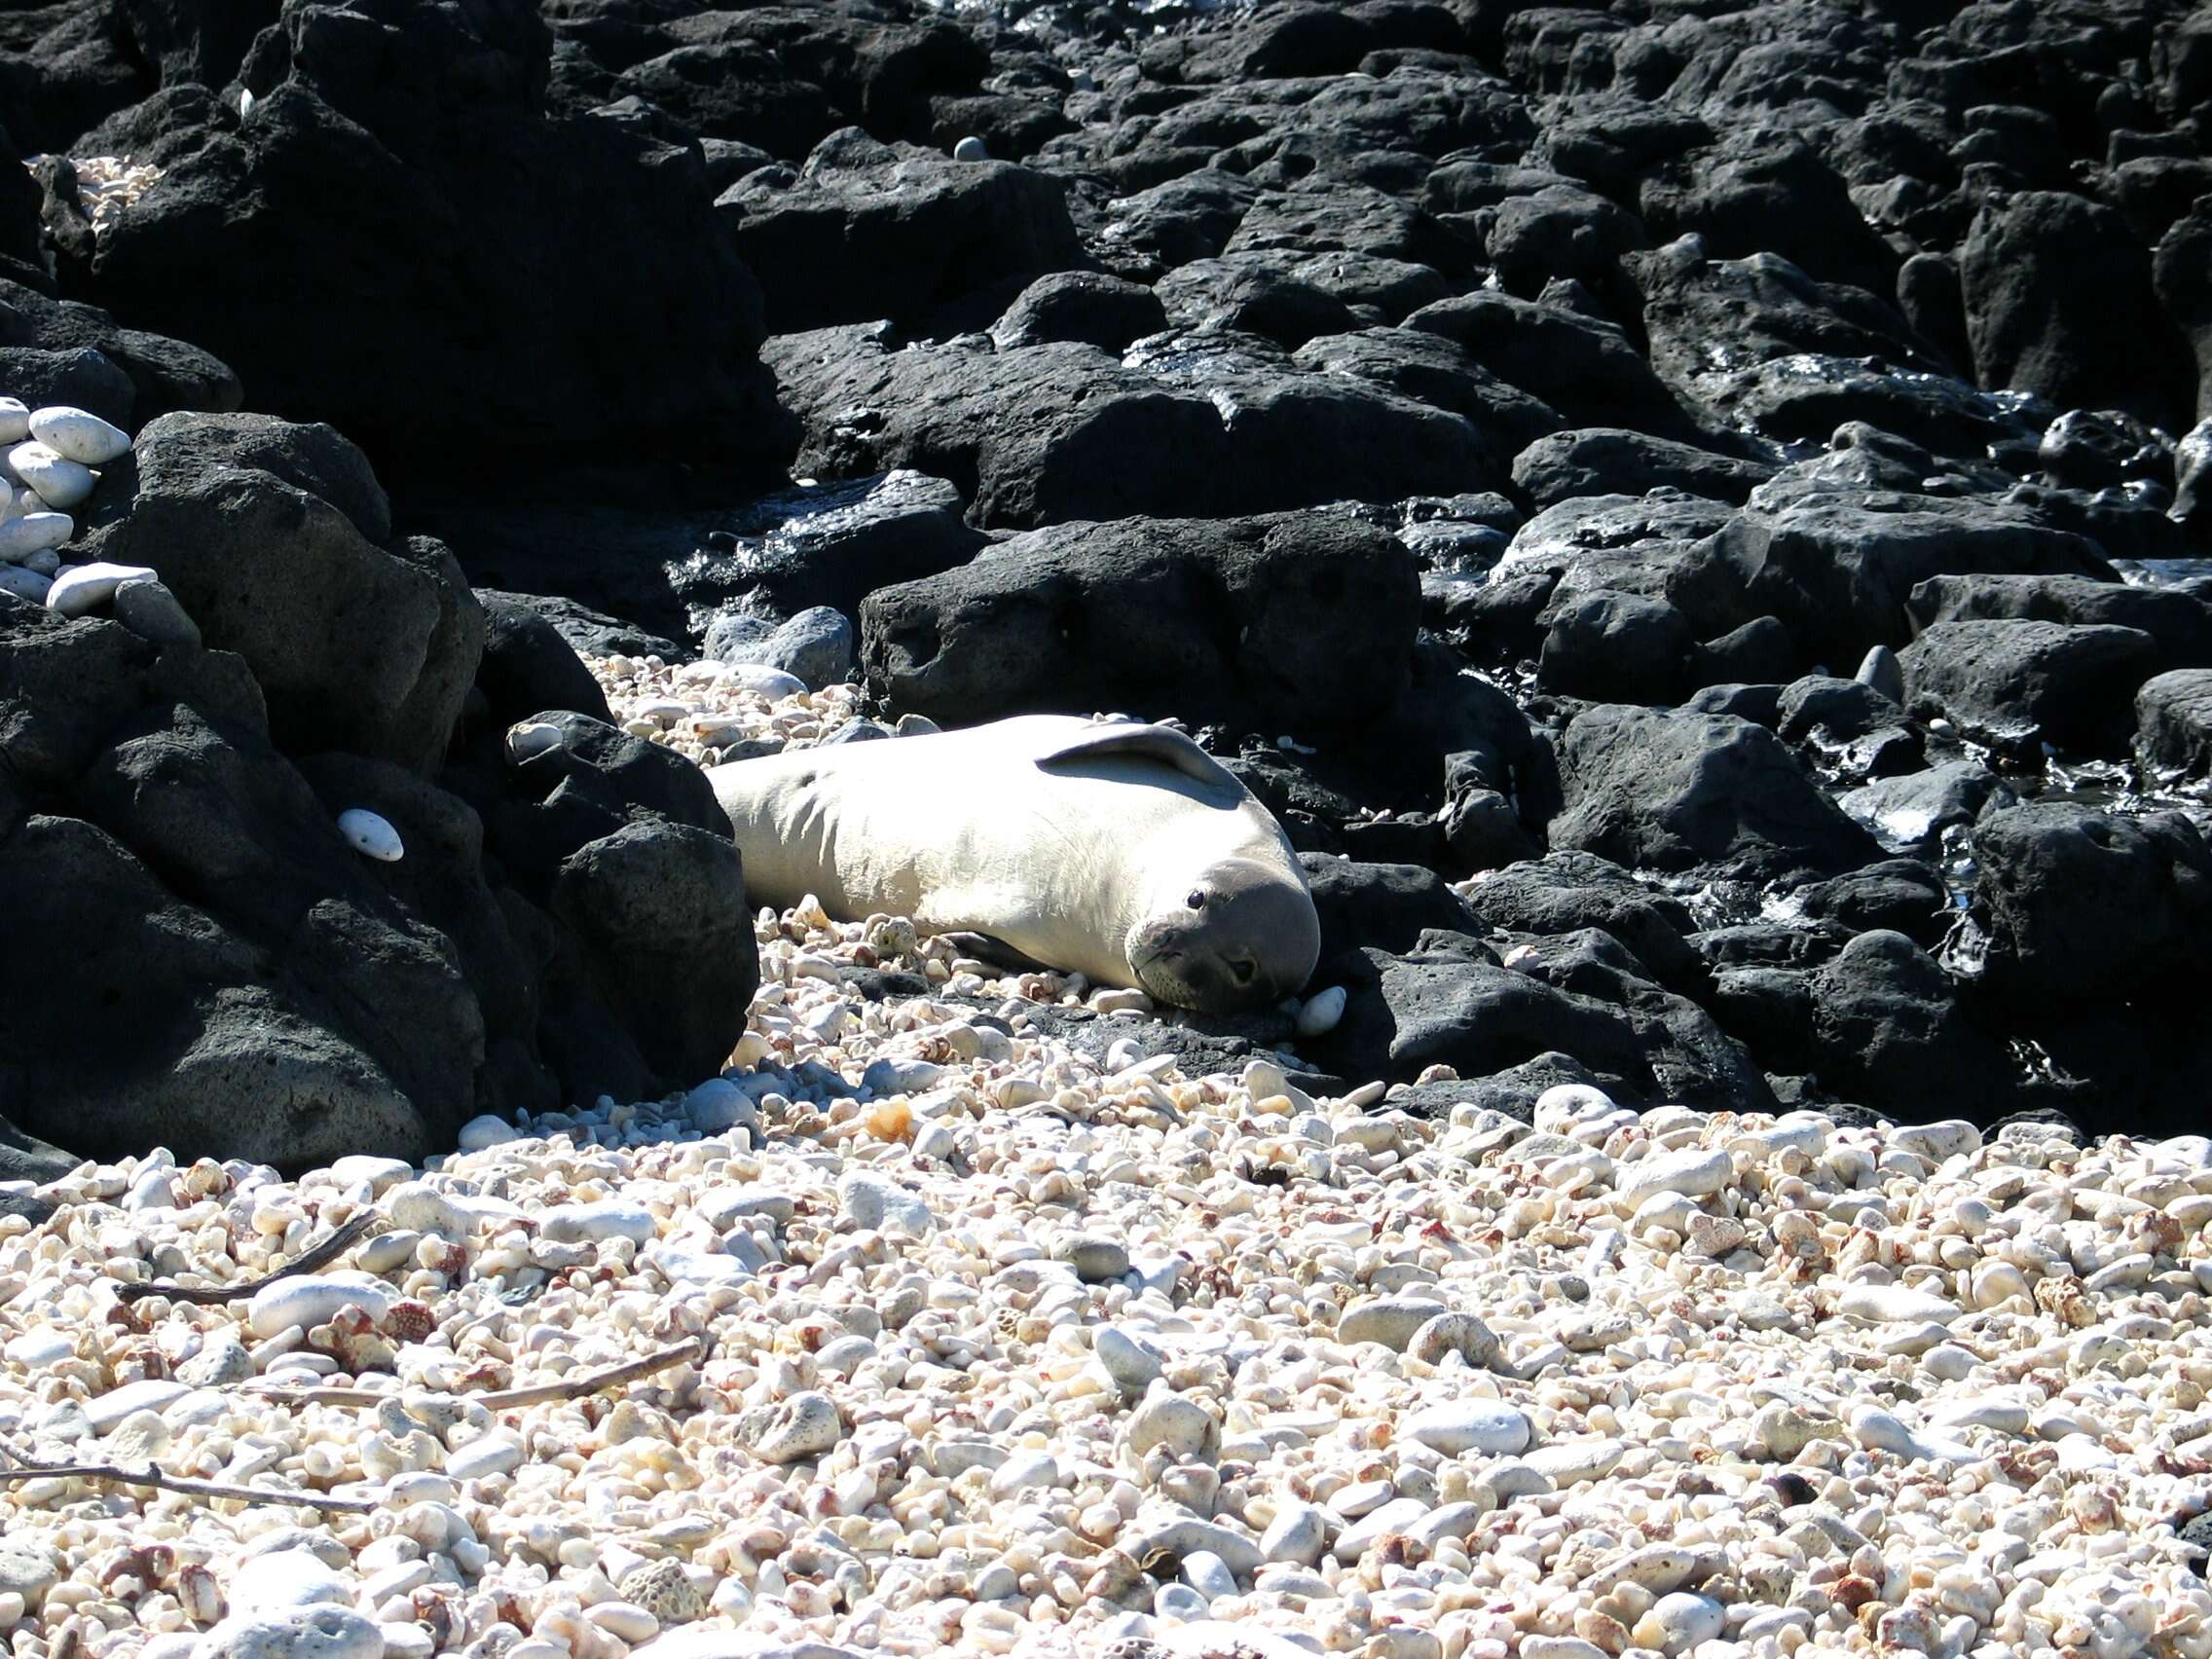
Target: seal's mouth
pixel 1203 983
pixel 1160 974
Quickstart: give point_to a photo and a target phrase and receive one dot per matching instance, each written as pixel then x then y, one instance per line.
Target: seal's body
pixel 1123 852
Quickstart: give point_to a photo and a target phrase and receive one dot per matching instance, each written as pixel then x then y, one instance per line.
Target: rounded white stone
pixel 590 1224
pixel 1096 1261
pixel 371 834
pixel 15 421
pixel 805 1425
pixel 1893 1304
pixel 626 1620
pixel 79 435
pixel 719 1105
pixel 1678 1622
pixel 381 1173
pixel 727 1206
pixel 871 1202
pixel 1127 1359
pixel 79 588
pixel 525 738
pixel 24 583
pixel 287 1578
pixel 106 1412
pixel 679 1265
pixel 1786 1430
pixel 1693 1173
pixel 1470 1425
pixel 60 483
pixel 1321 1013
pixel 423 1208
pixel 1242 1639
pixel 1714 1234
pixel 320 1632
pixel 971 149
pixel 1565 1103
pixel 1570 1462
pixel 1299 1532
pixel 1390 1320
pixel 1363 1498
pixel 1025 1471
pixel 387 1252
pixel 1451 1521
pixel 39 1348
pixel 1395 1516
pixel 1186 1428
pixel 700 1642
pixel 1879 1430
pixel 498 1453
pixel 310 1299
pixel 29 1570
pixel 1949 1363
pixel 1208 1574
pixel 1936 1141
pixel 772 683
pixel 1559 1647
pixel 488 1131
pixel 1809 1136
pixel 2007 1415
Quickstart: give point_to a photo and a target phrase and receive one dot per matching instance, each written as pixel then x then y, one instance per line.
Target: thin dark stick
pixel 314 1256
pixel 189 1485
pixel 568 1388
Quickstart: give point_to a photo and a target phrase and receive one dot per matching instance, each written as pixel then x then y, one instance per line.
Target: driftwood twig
pixel 152 1477
pixel 568 1388
pixel 314 1256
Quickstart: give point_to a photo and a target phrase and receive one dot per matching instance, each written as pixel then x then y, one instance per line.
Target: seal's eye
pixel 1197 899
pixel 1242 972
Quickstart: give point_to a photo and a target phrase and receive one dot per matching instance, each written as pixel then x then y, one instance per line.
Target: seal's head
pixel 1242 936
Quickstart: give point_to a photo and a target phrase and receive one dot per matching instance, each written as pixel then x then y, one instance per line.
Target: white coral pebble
pixel 82 587
pixel 33 533
pixel 371 833
pixel 60 483
pixel 79 435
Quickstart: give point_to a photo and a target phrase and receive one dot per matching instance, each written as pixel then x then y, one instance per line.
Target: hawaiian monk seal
pixel 1119 851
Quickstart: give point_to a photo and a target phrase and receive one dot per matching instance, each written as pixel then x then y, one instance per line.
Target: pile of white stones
pixel 999 1354
pixel 706 710
pixel 47 470
pixel 106 185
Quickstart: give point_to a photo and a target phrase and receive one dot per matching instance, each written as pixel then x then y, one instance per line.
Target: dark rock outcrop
pixel 277 541
pixel 2020 684
pixel 868 231
pixel 413 249
pixel 1675 792
pixel 2173 725
pixel 1295 623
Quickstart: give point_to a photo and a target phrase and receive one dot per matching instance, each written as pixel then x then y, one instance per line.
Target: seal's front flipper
pixel 1170 747
pixel 997 952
